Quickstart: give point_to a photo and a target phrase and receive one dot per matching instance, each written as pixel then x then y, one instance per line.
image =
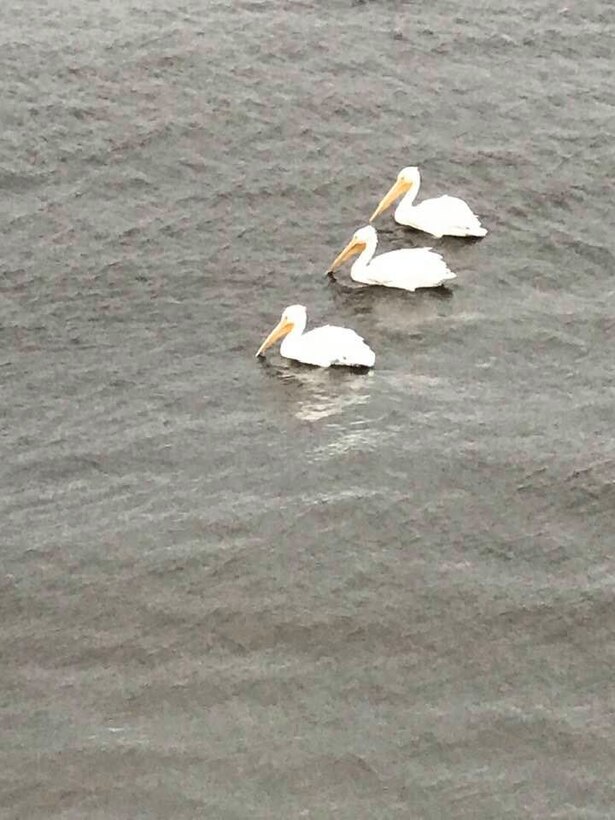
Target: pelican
pixel 323 346
pixel 440 216
pixel 408 269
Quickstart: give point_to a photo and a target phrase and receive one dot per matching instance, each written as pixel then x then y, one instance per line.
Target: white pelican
pixel 440 216
pixel 409 268
pixel 322 346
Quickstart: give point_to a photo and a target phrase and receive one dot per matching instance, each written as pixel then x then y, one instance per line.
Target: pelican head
pixel 358 243
pixel 292 317
pixel 407 179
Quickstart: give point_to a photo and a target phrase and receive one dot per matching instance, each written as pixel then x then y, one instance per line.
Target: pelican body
pixel 408 268
pixel 323 346
pixel 440 216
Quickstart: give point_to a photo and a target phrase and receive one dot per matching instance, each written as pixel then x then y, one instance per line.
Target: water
pixel 233 588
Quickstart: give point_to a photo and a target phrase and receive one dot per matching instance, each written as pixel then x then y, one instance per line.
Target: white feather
pixel 440 216
pixel 408 268
pixel 323 346
pixel 329 345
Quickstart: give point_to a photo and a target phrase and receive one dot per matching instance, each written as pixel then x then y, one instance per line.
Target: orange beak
pixel 352 248
pixel 397 189
pixel 281 329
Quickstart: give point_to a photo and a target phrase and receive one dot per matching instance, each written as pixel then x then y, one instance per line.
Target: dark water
pixel 233 589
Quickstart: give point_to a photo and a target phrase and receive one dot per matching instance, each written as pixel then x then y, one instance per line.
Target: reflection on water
pixel 367 437
pixel 318 392
pixel 322 403
pixel 391 307
pixel 339 397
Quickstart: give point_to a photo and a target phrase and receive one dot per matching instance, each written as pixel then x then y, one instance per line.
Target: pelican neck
pixel 365 257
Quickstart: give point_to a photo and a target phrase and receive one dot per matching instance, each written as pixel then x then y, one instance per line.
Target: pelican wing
pixel 445 215
pixel 408 269
pixel 330 345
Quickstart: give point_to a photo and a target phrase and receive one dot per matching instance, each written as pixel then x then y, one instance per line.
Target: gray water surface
pixel 243 589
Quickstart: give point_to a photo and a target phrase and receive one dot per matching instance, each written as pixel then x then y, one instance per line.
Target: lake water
pixel 233 588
